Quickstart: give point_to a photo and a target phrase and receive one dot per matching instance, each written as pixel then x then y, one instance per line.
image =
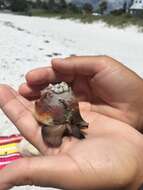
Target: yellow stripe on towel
pixel 8 149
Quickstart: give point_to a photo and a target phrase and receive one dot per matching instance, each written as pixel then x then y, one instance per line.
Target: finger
pixel 82 65
pixel 19 112
pixel 30 92
pixel 66 69
pixel 88 65
pixel 63 70
pixel 45 76
pixel 51 171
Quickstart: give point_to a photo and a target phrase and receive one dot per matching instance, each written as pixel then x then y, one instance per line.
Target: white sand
pixel 23 46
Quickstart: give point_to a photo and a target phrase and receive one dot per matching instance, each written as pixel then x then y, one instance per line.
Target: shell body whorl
pixel 57 111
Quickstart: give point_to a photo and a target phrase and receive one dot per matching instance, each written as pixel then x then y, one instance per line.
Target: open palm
pixel 109 158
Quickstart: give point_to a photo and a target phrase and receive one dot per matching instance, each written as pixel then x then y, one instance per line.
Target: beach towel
pixel 8 149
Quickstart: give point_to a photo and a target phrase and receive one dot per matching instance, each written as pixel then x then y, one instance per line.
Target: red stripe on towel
pixel 8 158
pixel 11 139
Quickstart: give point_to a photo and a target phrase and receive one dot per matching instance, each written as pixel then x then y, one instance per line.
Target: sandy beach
pixel 30 42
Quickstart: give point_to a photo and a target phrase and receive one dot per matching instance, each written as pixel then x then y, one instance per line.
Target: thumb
pixel 84 65
pixel 48 171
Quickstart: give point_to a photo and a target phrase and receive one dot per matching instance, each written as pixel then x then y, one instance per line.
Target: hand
pixel 111 88
pixel 109 158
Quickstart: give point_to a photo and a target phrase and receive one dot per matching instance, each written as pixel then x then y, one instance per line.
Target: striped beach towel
pixel 8 149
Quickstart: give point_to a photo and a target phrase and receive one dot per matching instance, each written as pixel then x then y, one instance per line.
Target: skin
pixel 111 155
pixel 112 89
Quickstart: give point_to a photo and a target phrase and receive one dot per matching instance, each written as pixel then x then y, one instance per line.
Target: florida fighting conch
pixel 57 112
